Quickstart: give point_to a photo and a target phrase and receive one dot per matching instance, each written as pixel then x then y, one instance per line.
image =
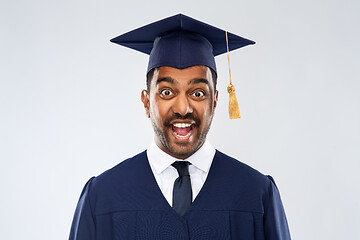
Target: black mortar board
pixel 180 42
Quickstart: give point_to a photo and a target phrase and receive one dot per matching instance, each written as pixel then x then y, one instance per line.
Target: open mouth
pixel 182 130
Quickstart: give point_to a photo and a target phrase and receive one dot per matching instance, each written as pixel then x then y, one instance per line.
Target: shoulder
pixel 114 189
pixel 241 171
pixel 120 173
pixel 119 178
pixel 236 186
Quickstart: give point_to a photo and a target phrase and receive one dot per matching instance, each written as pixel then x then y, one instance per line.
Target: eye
pixel 166 93
pixel 198 94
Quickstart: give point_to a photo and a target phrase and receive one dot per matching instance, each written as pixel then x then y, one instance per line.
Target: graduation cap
pixel 180 42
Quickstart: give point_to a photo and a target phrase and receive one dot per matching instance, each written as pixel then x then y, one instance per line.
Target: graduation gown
pixel 125 202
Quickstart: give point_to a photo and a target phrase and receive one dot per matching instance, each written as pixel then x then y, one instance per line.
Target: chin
pixel 183 150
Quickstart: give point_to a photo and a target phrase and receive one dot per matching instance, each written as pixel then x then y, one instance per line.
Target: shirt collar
pixel 160 160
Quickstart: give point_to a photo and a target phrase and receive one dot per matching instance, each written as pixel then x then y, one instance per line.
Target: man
pixel 180 188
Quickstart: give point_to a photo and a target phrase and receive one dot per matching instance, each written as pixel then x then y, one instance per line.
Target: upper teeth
pixel 182 125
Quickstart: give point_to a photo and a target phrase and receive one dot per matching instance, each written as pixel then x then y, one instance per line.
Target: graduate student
pixel 181 187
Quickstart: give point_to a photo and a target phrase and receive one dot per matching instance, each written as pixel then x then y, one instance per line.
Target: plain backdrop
pixel 70 105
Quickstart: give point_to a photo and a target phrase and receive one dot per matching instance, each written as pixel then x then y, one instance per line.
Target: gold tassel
pixel 234 110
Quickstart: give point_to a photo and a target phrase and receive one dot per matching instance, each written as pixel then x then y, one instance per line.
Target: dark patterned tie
pixel 182 194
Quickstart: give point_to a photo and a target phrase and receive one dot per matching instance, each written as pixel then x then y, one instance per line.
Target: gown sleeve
pixel 275 223
pixel 83 225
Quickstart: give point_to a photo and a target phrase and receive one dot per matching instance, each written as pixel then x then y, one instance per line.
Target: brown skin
pixel 180 96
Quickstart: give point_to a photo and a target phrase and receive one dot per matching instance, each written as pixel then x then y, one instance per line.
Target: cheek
pixel 204 110
pixel 159 109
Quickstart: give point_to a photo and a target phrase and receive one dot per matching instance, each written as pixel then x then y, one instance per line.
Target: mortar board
pixel 180 42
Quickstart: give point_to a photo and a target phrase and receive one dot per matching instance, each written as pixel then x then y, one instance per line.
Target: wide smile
pixel 182 131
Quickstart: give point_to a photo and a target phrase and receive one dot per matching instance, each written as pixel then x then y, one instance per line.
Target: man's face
pixel 181 104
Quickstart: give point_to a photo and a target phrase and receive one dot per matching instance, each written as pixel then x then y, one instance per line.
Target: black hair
pixel 150 75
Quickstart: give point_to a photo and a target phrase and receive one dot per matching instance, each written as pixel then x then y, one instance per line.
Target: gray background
pixel 70 105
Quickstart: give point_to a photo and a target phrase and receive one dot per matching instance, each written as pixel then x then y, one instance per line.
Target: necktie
pixel 182 194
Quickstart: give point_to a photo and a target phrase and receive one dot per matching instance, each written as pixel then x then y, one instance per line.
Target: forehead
pixel 183 75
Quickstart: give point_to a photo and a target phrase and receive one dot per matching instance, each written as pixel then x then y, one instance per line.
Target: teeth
pixel 182 125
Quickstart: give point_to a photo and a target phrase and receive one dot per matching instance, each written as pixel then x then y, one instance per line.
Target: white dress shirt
pixel 165 174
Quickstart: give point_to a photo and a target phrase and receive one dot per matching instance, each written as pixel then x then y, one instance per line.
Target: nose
pixel 182 105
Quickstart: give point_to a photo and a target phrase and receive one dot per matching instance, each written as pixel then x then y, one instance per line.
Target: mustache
pixel 177 116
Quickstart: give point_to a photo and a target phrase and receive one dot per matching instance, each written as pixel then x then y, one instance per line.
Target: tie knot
pixel 182 167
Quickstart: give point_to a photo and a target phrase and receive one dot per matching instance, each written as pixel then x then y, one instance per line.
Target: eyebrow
pixel 165 79
pixel 199 80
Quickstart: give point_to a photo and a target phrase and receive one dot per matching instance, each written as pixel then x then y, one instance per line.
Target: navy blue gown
pixel 125 202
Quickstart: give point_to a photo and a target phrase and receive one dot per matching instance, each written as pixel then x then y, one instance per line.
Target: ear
pixel 216 98
pixel 146 101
